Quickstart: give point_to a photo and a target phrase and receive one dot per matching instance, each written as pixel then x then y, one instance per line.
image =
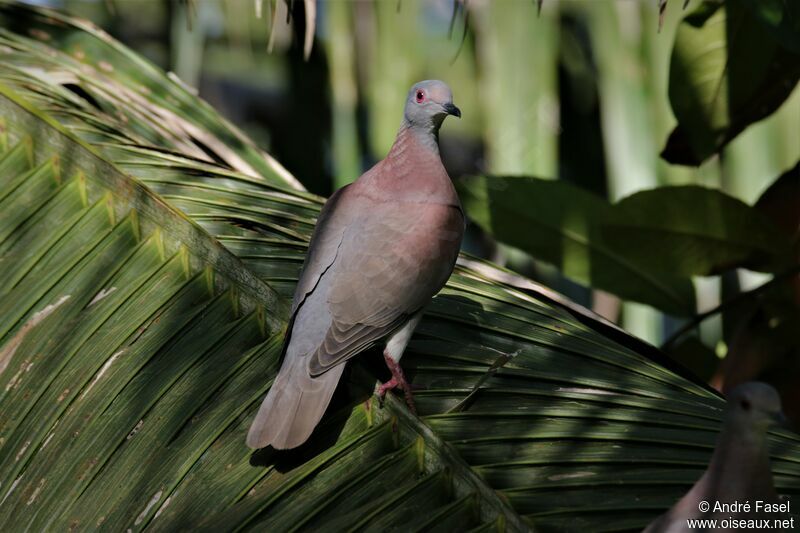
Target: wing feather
pixel 324 245
pixel 388 268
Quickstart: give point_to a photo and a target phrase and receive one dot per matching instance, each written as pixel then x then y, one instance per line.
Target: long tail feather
pixel 293 407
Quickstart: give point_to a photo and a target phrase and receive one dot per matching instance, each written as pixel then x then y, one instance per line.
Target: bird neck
pixel 748 450
pixel 425 136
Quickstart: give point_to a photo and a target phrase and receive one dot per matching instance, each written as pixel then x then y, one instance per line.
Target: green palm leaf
pixel 134 350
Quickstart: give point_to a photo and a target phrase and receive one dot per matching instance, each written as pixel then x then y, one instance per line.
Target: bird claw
pixel 383 388
pixel 398 380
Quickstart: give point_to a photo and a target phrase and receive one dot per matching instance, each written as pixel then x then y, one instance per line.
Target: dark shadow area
pixel 581 157
pixel 84 94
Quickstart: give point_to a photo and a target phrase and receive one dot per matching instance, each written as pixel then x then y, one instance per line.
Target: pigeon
pixel 383 246
pixel 739 470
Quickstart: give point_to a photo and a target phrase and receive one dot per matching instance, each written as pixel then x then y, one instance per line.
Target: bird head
pixel 428 103
pixel 756 405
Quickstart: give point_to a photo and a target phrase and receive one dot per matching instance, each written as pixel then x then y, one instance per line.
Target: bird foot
pixel 398 380
pixel 384 387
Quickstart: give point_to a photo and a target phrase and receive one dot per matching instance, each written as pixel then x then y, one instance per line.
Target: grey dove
pixel 739 470
pixel 383 246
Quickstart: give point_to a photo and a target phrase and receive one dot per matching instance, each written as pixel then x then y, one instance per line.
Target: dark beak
pixel 452 110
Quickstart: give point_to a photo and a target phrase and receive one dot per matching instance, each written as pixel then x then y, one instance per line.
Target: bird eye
pixel 745 405
pixel 420 97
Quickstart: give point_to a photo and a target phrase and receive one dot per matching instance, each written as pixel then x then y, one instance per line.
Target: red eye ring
pixel 420 97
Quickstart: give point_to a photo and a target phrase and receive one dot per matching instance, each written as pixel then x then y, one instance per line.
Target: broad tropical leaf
pixel 563 225
pixel 696 231
pixel 530 418
pixel 644 247
pixel 715 97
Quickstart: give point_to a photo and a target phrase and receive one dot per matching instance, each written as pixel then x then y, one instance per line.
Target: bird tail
pixel 293 406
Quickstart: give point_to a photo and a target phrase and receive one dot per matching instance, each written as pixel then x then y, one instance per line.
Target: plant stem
pixel 730 302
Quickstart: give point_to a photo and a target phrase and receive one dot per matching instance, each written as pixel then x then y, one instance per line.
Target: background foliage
pixel 148 249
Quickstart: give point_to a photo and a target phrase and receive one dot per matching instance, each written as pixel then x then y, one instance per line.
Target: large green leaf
pixel 645 247
pixel 715 97
pixel 696 231
pixel 133 352
pixel 155 150
pixel 562 224
pixel 529 416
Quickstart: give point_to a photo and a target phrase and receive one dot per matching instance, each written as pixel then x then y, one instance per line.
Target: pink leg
pixel 398 380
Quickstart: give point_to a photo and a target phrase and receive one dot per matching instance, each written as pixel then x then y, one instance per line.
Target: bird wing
pixel 322 249
pixel 296 400
pixel 391 260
